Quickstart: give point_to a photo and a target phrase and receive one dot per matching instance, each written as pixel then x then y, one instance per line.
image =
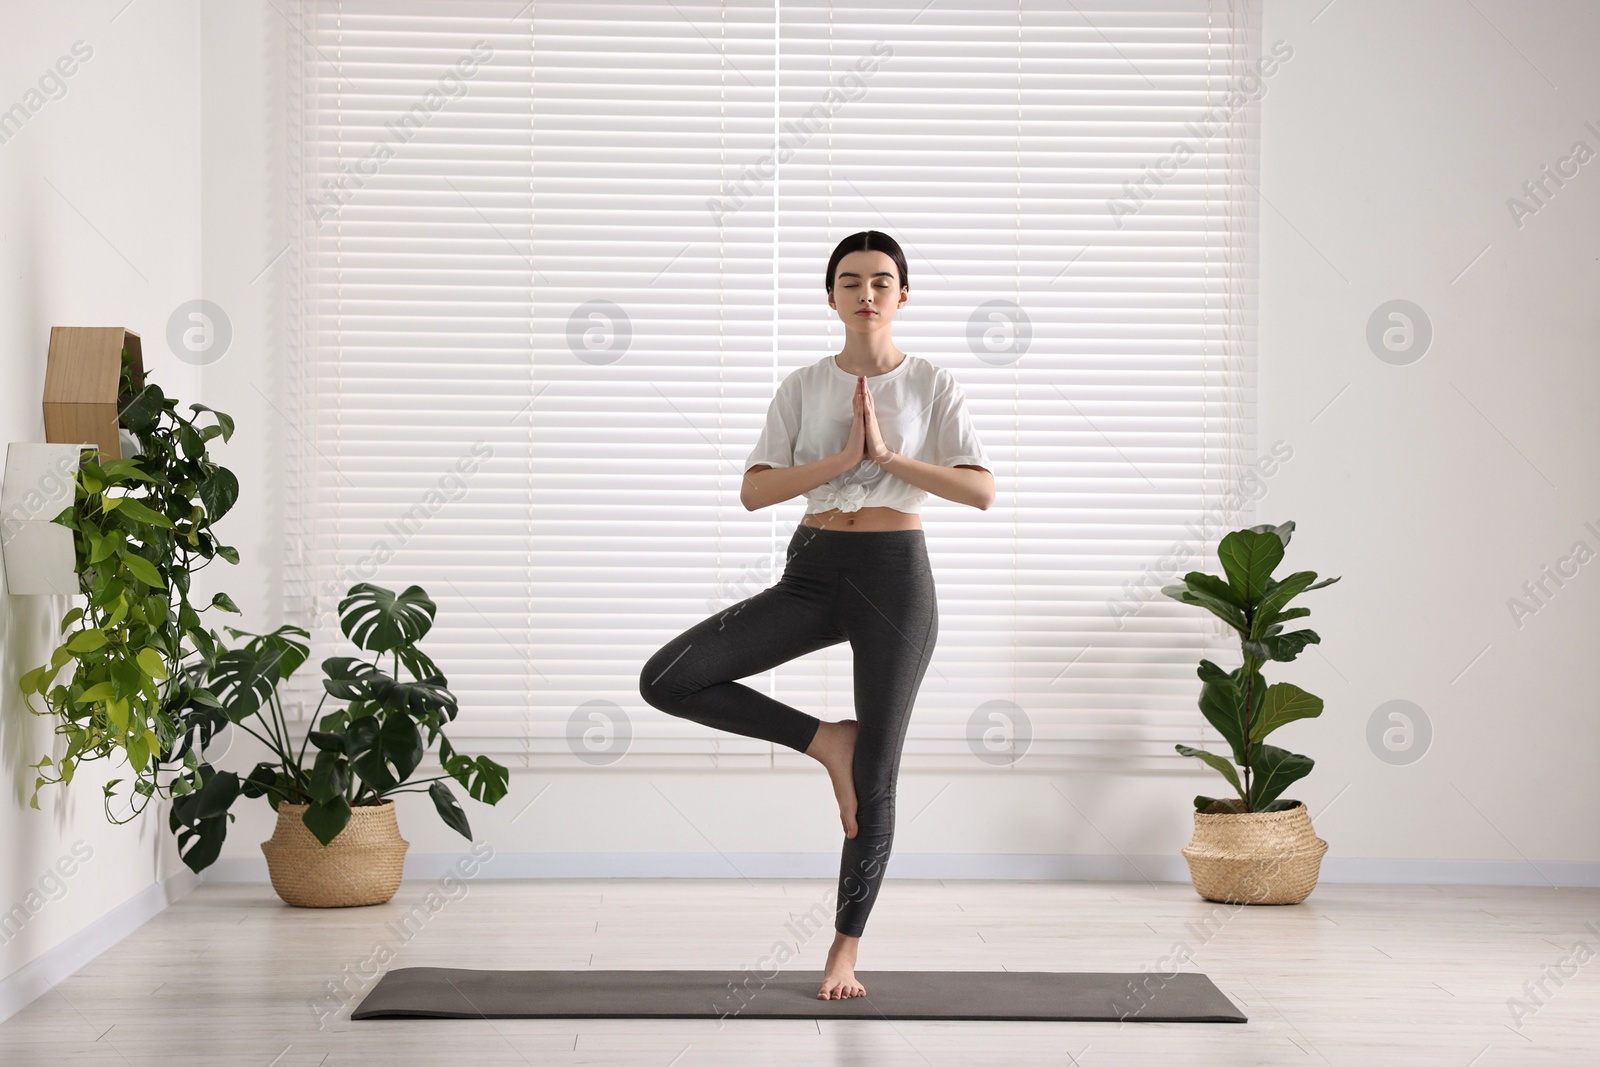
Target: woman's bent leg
pixel 692 675
pixel 893 627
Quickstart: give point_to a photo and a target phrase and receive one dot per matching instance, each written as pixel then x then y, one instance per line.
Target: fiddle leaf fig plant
pixel 362 752
pixel 142 528
pixel 1240 704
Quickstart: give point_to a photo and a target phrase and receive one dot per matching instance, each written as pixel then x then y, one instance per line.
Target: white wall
pixel 1392 140
pixel 99 226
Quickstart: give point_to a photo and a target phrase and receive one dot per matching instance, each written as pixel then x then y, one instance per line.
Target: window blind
pixel 552 260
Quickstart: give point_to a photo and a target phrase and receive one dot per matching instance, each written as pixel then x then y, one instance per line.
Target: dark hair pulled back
pixel 868 241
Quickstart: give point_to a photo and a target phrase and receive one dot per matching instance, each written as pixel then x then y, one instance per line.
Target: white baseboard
pixel 991 866
pixel 20 989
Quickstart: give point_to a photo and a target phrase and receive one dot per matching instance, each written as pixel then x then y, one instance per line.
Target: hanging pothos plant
pixel 142 528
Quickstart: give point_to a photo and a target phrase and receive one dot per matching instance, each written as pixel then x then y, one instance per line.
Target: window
pixel 553 259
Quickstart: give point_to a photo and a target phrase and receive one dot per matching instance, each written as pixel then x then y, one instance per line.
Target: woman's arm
pixel 951 483
pixel 764 485
pixel 965 484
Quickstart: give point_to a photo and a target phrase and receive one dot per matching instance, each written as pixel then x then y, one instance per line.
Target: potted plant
pixel 337 843
pixel 1255 848
pixel 142 528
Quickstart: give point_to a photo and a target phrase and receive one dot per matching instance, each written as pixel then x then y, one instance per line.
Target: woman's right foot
pixel 835 748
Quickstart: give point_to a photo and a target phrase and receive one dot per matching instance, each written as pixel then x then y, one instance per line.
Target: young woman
pixel 866 435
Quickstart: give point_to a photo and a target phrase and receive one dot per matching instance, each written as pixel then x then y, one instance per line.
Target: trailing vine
pixel 142 529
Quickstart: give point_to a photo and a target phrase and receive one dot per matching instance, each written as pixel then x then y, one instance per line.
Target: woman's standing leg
pixel 889 609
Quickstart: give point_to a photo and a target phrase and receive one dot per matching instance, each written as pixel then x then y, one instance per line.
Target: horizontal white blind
pixel 536 331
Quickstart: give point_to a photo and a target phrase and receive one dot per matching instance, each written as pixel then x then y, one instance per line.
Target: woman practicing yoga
pixel 866 435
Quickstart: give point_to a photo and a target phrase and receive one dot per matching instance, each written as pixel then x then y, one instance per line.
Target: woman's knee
pixel 656 679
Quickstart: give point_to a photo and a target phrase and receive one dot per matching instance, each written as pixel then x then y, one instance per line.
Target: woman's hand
pixel 855 447
pixel 873 447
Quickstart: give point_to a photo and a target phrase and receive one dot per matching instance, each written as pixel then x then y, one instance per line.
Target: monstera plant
pixel 1239 703
pixel 142 528
pixel 361 753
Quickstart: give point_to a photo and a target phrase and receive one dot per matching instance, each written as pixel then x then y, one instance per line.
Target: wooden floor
pixel 1357 974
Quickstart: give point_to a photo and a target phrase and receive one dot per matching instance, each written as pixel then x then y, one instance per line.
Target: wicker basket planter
pixel 1268 857
pixel 361 866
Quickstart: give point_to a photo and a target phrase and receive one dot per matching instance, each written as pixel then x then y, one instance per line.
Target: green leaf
pixel 243 681
pixel 330 776
pixel 417 662
pixel 103 548
pixel 225 422
pixel 281 651
pixel 219 490
pixel 124 470
pixel 138 748
pixel 1219 763
pixel 98 692
pixel 71 617
pixel 143 412
pixel 363 741
pixel 86 641
pixel 1222 703
pixel 229 553
pixel 1248 557
pixel 199 818
pixel 189 439
pixel 225 602
pixel 449 809
pixel 265 781
pixel 1279 593
pixel 129 508
pixel 1284 703
pixel 1189 593
pixel 326 818
pixel 1284 532
pixel 325 741
pixel 379 621
pixel 1275 769
pixel 1215 587
pixel 144 570
pixel 1281 647
pixel 484 779
pixel 152 664
pixel 402 745
pixel 30 680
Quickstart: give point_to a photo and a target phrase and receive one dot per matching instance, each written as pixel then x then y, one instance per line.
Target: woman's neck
pixel 869 359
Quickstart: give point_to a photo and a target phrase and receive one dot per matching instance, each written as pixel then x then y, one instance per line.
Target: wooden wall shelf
pixel 80 384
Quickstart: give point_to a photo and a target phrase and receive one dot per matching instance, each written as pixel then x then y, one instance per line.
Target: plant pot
pixel 361 866
pixel 1268 857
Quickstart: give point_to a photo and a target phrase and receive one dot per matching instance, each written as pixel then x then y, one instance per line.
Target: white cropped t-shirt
pixel 921 413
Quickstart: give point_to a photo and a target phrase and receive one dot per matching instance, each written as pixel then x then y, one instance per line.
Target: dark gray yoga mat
pixel 1040 996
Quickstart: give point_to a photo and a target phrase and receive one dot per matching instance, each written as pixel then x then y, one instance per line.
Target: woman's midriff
pixel 863 520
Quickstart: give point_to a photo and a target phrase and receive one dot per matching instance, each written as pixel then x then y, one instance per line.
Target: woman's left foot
pixel 839 978
pixel 835 748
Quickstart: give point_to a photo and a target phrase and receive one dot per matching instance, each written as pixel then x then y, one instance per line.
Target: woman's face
pixel 866 282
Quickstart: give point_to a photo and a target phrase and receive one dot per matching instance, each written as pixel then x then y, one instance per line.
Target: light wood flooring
pixel 1363 975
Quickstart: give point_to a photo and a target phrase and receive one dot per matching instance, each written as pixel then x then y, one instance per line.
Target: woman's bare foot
pixel 835 748
pixel 839 979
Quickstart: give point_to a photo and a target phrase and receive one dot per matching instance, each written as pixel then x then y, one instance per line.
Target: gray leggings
pixel 874 589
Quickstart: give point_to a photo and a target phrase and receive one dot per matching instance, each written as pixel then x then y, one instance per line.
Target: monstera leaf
pixel 199 818
pixel 378 620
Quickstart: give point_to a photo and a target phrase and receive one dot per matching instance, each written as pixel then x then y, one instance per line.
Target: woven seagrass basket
pixel 361 866
pixel 1270 857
